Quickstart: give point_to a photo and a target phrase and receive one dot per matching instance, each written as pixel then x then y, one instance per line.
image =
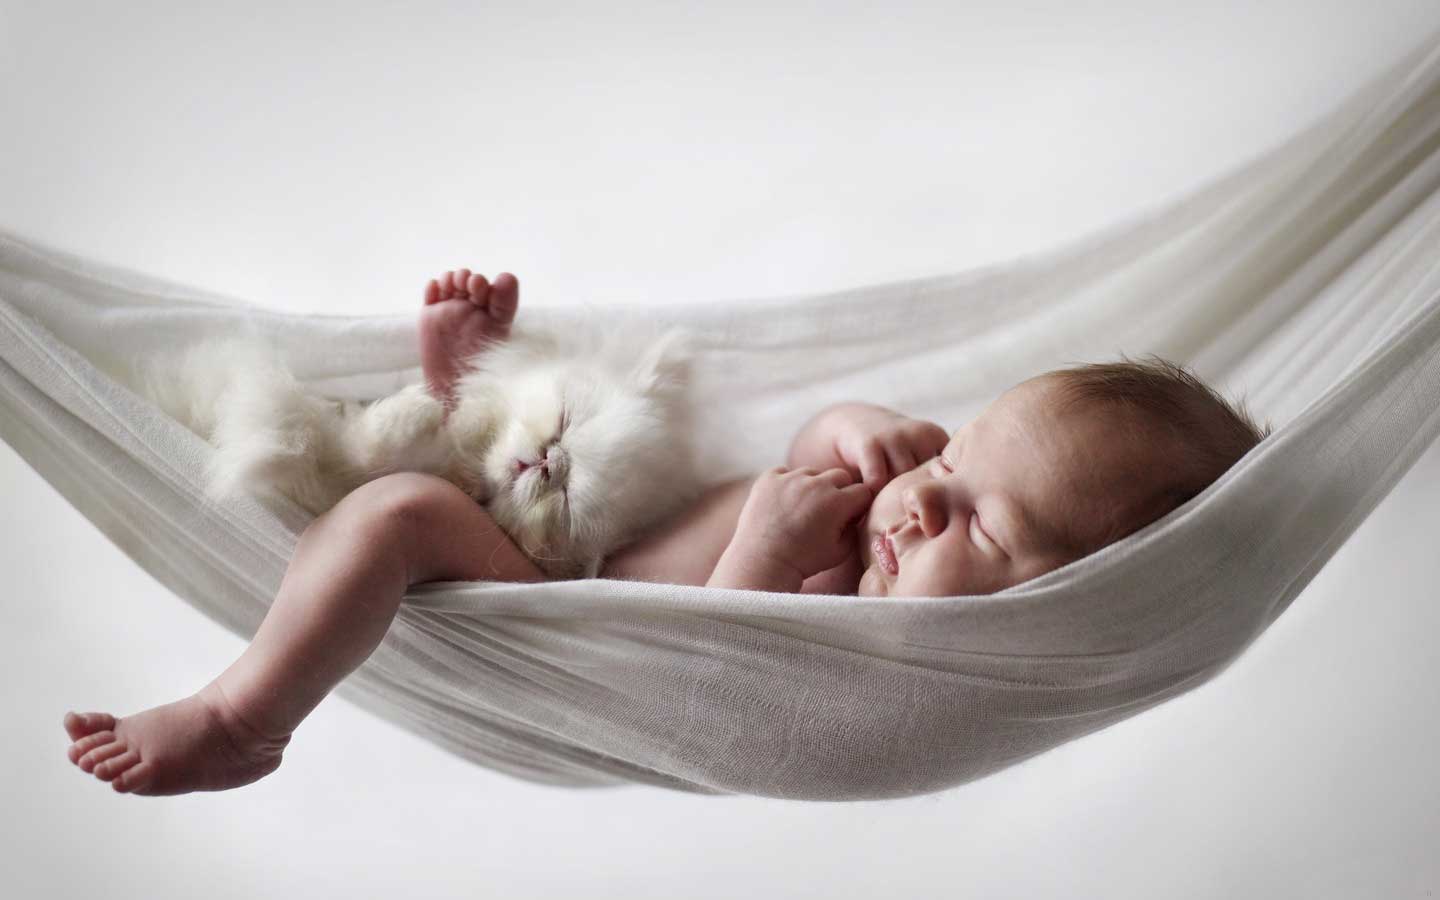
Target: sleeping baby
pixel 869 502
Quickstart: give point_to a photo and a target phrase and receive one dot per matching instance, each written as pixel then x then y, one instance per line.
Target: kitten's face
pixel 583 452
pixel 529 465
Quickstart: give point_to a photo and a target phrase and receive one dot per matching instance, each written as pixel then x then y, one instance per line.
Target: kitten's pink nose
pixel 522 464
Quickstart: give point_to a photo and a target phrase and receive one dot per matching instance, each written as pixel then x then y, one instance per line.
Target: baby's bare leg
pixel 336 601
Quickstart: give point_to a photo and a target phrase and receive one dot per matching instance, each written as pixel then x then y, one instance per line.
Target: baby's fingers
pixel 857 499
pixel 902 459
pixel 874 470
pixel 937 437
pixel 855 496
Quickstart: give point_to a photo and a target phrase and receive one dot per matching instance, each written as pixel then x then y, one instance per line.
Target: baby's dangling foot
pixel 196 744
pixel 463 313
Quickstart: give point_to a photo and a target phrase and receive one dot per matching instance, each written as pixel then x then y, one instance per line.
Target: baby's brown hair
pixel 1207 434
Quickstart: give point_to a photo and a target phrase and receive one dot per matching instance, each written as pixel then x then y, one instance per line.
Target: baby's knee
pixel 444 534
pixel 404 496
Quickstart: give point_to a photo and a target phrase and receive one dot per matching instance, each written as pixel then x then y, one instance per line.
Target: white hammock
pixel 1310 278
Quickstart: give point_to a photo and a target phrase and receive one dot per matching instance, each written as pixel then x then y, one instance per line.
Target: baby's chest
pixel 686 550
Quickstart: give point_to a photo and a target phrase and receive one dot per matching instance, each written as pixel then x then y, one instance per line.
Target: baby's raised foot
pixel 462 314
pixel 196 744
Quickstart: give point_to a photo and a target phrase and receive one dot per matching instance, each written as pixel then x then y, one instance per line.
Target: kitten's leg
pixel 273 434
pixel 401 432
pixel 462 314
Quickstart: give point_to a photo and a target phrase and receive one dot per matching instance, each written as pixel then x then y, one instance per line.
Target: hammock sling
pixel 1310 278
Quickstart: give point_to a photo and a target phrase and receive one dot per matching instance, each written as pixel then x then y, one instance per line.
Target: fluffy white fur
pixel 606 412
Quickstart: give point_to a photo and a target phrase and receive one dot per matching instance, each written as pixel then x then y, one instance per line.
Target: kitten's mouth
pixel 534 475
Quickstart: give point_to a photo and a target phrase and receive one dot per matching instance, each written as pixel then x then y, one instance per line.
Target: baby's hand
pixel 878 444
pixel 801 518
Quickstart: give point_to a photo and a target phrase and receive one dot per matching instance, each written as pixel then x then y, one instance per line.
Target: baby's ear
pixel 664 367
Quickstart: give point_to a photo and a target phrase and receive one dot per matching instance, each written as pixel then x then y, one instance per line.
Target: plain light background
pixel 332 159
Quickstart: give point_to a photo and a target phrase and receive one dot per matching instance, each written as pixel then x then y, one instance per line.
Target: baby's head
pixel 1056 468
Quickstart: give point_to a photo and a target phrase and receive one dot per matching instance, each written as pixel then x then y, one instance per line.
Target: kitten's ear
pixel 664 367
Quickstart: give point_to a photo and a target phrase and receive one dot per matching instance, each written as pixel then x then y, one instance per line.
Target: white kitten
pixel 575 442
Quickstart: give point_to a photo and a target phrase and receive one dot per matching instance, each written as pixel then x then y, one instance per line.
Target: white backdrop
pixel 331 161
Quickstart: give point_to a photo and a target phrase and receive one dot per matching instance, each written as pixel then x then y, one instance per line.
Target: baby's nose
pixel 921 508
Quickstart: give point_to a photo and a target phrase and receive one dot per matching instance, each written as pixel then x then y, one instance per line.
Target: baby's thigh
pixel 685 549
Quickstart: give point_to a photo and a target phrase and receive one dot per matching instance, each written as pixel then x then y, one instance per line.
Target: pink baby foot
pixel 462 314
pixel 195 744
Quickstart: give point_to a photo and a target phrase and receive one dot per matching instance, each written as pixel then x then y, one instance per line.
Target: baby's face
pixel 1016 493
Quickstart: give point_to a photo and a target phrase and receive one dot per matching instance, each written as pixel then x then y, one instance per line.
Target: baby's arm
pixel 796 523
pixel 872 443
pixel 814 447
pixel 814 443
pixel 748 570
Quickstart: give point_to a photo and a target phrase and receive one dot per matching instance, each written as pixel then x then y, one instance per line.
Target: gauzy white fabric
pixel 1309 281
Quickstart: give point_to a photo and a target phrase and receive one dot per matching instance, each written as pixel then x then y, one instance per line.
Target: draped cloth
pixel 1307 281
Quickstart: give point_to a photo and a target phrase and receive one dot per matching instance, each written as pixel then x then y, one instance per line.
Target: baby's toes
pixel 452 283
pixel 504 298
pixel 78 725
pixel 95 757
pixel 478 289
pixel 86 744
pixel 447 285
pixel 135 778
pixel 110 768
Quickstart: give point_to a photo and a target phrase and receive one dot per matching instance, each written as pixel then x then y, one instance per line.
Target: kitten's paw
pixel 399 420
pixel 404 431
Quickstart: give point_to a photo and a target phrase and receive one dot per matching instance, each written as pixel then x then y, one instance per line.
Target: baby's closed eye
pixel 974 525
pixel 977 528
